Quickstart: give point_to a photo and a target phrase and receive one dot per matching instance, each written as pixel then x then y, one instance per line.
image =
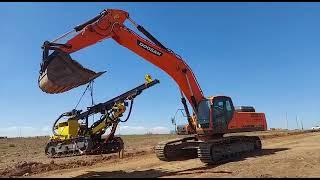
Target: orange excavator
pixel 213 117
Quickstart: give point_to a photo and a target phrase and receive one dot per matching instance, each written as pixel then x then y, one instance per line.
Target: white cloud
pixel 141 130
pixel 131 130
pixel 46 129
pixel 160 130
pixel 16 131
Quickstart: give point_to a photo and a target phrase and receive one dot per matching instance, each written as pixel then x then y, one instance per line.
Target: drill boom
pixel 102 107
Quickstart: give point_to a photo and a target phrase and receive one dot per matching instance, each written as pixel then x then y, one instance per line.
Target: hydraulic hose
pixel 131 103
pixel 54 124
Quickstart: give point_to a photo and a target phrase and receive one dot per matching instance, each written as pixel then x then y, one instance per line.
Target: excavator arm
pixel 110 24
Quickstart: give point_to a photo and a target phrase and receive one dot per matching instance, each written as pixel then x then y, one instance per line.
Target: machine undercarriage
pixel 82 146
pixel 210 152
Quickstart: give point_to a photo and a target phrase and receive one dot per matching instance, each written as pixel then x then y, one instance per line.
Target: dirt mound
pixel 281 134
pixel 28 168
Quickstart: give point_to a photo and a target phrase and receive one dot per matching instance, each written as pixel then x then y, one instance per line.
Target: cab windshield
pixel 203 114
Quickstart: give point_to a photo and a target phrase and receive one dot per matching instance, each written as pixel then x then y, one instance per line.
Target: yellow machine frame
pixel 67 129
pixel 70 128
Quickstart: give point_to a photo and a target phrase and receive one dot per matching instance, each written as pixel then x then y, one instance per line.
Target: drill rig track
pixel 80 146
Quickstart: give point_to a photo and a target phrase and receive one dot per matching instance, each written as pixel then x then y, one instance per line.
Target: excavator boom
pixel 110 24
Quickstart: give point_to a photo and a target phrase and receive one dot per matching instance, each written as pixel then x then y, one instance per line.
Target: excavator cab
pixel 217 116
pixel 60 73
pixel 214 114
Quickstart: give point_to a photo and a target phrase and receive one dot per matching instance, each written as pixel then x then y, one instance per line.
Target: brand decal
pixel 148 48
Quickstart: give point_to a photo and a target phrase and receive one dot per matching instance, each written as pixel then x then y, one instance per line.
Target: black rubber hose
pixel 129 111
pixel 54 124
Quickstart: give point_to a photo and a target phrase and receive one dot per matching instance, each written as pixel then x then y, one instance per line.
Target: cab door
pixel 222 111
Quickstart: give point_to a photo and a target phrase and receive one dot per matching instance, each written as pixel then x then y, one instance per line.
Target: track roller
pixel 178 149
pixel 227 148
pixel 82 146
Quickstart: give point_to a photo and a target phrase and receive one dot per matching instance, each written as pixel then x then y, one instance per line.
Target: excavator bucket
pixel 60 73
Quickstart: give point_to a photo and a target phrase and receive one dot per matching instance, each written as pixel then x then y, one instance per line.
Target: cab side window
pixel 228 106
pixel 229 109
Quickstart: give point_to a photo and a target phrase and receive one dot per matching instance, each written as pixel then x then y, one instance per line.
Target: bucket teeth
pixel 61 73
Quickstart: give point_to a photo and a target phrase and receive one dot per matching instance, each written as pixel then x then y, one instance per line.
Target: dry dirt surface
pixel 284 154
pixel 25 156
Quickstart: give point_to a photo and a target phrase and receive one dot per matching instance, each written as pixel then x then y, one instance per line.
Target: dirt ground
pixel 25 156
pixel 284 154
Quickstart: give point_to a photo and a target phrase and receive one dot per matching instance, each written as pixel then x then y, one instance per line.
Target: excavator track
pixel 177 149
pixel 227 148
pixel 61 148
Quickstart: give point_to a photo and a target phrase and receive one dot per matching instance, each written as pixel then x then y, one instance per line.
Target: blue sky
pixel 260 54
